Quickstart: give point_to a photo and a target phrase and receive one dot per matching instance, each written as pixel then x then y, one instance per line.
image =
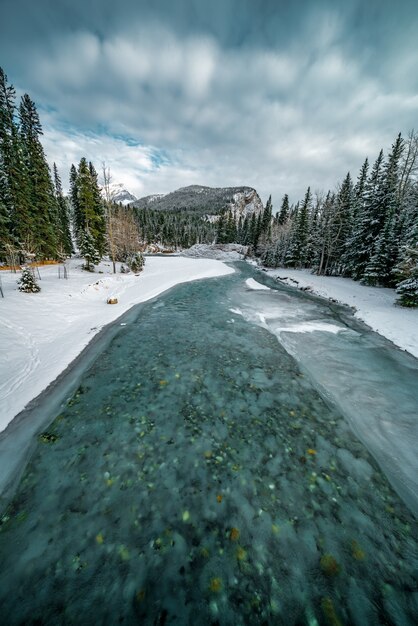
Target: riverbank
pixel 373 305
pixel 42 333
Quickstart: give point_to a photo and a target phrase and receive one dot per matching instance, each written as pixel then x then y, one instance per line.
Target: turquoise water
pixel 197 477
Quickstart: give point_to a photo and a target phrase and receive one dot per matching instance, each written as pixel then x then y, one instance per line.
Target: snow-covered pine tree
pixel 78 218
pixel 136 262
pixel 342 225
pixel 231 228
pixel 88 250
pixel 27 282
pixel 378 271
pixel 406 270
pixel 326 234
pixel 407 290
pixel 384 250
pixel 283 216
pixel 289 257
pixel 14 192
pixel 351 251
pixel 312 246
pixel 88 210
pixel 63 217
pixel 98 225
pixel 297 255
pixel 44 209
pixel 359 247
pixel 266 219
pixel 221 228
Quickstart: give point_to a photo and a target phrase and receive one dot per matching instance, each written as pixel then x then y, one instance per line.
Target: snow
pixel 119 193
pixel 253 284
pixel 42 333
pixel 375 306
pixel 221 252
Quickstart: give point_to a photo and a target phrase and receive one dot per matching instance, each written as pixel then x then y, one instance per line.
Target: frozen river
pixel 232 456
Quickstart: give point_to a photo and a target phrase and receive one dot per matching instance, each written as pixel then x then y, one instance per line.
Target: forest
pixel 365 229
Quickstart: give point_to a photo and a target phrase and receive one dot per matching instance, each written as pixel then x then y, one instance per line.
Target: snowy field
pixel 41 334
pixel 375 306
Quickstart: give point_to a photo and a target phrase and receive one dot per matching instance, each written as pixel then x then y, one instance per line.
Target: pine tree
pixel 43 205
pixel 298 252
pixel 359 247
pixel 312 245
pixel 98 226
pixel 406 270
pixel 284 210
pixel 383 236
pixel 231 228
pixel 14 195
pixel 378 271
pixel 342 224
pixel 326 234
pixel 5 237
pixel 27 282
pixel 78 217
pixel 88 211
pixel 407 290
pixel 63 218
pixel 221 235
pixel 266 219
pixel 88 250
pixel 136 262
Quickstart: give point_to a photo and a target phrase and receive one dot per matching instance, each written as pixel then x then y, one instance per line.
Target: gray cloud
pixel 260 93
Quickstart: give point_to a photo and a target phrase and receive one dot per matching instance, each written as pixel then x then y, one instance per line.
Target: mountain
pixel 120 194
pixel 206 200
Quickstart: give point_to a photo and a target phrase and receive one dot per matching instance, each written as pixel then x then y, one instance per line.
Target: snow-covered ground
pixel 219 251
pixel 41 334
pixel 375 306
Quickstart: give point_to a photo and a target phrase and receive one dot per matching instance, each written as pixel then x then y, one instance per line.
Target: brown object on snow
pixel 112 300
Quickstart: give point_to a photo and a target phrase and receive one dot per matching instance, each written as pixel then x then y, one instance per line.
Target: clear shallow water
pixel 197 477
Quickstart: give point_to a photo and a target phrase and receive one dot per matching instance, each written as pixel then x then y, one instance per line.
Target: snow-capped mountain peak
pixel 119 194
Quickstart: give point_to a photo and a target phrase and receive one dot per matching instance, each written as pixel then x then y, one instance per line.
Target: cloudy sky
pixel 273 94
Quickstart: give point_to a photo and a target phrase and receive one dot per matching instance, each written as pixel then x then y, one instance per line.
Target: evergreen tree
pixel 231 228
pixel 136 262
pixel 43 205
pixel 284 210
pixel 98 227
pixel 221 230
pixel 298 252
pixel 63 218
pixel 326 234
pixel 378 271
pixel 408 288
pixel 383 248
pixel 312 245
pixel 359 248
pixel 88 250
pixel 406 270
pixel 88 210
pixel 27 282
pixel 15 223
pixel 342 224
pixel 266 219
pixel 79 223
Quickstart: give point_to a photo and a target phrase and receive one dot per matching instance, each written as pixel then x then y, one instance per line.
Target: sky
pixel 271 94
